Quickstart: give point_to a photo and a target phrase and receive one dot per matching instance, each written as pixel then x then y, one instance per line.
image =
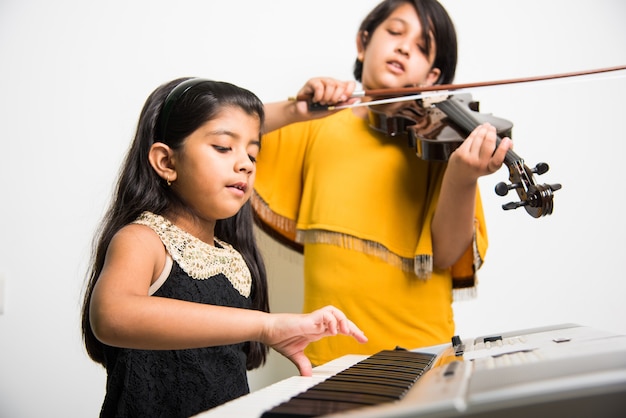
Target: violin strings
pixel 397 99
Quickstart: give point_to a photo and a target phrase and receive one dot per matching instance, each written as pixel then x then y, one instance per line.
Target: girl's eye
pixel 252 158
pixel 221 149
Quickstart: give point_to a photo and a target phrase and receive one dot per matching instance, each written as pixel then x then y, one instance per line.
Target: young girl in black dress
pixel 176 305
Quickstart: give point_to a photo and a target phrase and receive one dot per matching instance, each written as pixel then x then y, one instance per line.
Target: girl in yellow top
pixel 386 236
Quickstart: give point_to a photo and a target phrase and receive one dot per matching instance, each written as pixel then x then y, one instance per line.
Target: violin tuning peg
pixel 513 205
pixel 502 188
pixel 541 168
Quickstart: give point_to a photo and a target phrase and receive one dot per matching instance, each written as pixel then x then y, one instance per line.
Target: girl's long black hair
pixel 169 115
pixel 435 21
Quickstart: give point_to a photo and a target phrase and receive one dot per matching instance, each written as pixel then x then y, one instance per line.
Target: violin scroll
pixel 535 198
pixel 436 127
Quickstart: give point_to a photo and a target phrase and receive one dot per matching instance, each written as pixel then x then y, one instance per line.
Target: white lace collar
pixel 197 258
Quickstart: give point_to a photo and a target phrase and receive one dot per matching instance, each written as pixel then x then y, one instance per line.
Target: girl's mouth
pixel 395 66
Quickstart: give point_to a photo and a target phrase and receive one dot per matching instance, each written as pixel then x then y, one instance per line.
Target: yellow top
pixel 362 203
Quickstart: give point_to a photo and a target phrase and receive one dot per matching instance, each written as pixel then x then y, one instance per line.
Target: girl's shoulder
pixel 137 238
pixel 139 249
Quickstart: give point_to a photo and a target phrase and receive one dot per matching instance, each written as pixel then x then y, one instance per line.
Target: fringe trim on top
pixel 282 224
pixel 423 266
pixel 317 236
pixel 478 261
pixel 464 294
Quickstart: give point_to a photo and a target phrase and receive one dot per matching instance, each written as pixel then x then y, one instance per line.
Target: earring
pixel 169 183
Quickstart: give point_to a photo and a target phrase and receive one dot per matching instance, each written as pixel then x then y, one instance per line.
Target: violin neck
pixel 464 118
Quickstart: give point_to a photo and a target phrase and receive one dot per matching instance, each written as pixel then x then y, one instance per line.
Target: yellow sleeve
pixel 278 184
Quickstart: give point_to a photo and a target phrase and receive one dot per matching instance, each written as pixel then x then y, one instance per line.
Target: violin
pixel 435 127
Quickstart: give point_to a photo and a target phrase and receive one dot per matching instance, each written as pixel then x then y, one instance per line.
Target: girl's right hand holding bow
pixel 324 91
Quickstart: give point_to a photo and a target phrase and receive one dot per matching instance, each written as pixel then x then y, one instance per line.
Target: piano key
pixel 383 377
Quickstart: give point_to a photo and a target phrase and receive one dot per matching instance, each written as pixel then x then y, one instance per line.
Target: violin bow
pixel 414 93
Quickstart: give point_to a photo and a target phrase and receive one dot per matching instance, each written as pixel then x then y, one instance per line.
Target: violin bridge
pixel 429 101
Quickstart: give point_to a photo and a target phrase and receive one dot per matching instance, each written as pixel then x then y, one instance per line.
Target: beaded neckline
pixel 197 258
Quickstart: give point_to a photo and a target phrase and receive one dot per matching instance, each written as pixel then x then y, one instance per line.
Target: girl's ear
pixel 161 159
pixel 361 43
pixel 432 76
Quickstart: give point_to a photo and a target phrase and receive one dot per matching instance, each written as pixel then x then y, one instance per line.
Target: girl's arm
pixel 453 222
pixel 123 314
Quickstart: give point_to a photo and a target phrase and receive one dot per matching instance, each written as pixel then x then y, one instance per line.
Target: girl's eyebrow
pixel 398 19
pixel 221 132
pixel 232 134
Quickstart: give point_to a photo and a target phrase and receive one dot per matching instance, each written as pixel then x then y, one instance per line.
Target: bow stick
pixel 414 93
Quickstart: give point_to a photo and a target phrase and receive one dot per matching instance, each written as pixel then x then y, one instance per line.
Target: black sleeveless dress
pixel 182 383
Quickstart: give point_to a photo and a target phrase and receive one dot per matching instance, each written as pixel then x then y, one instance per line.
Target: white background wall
pixel 74 75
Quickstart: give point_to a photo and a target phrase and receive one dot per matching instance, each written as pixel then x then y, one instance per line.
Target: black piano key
pixel 383 377
pixel 416 363
pixel 382 369
pixel 356 398
pixel 403 375
pixel 377 380
pixel 358 387
pixel 304 408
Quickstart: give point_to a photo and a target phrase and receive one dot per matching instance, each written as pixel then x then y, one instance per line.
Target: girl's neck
pixel 199 228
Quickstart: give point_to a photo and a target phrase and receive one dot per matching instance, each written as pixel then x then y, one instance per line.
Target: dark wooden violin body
pixel 429 129
pixel 435 127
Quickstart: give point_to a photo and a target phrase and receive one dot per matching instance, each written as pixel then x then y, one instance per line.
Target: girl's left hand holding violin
pixel 478 155
pixel 289 333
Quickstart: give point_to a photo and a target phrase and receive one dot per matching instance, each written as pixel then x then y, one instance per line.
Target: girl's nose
pixel 244 163
pixel 403 48
pixel 403 51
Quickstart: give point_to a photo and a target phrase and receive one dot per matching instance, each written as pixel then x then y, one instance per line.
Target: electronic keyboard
pixel 564 370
